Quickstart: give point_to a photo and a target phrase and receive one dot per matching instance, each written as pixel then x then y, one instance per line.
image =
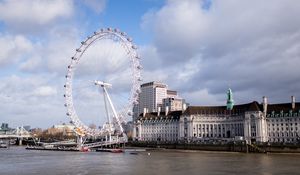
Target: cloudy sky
pixel 198 47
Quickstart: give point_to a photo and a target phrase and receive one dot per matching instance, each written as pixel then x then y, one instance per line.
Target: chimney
pixel 183 107
pixel 145 111
pixel 265 104
pixel 293 102
pixel 158 111
pixel 167 110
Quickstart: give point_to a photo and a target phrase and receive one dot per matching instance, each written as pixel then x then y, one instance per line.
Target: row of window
pixel 281 120
pixel 284 134
pixel 209 135
pixel 287 124
pixel 282 129
pixel 283 140
pixel 159 131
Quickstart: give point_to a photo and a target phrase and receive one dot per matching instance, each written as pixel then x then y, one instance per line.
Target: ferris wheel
pixel 123 50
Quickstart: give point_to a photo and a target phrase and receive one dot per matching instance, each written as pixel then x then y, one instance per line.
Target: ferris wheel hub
pixel 102 84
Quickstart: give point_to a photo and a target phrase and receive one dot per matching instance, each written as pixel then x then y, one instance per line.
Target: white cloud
pixel 96 5
pixel 54 54
pixel 45 91
pixel 150 57
pixel 13 47
pixel 203 97
pixel 31 100
pixel 32 14
pixel 32 64
pixel 178 26
pixel 251 46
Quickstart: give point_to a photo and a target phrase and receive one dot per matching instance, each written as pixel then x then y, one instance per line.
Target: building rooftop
pixel 285 107
pixel 253 106
pixel 242 108
pixel 154 83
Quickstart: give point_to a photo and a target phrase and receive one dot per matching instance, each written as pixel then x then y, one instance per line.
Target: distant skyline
pixel 198 47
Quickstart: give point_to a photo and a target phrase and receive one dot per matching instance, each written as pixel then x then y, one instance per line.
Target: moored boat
pixel 116 150
pixel 110 150
pixel 3 145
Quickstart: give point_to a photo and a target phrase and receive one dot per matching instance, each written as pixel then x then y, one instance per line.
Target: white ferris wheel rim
pixel 131 50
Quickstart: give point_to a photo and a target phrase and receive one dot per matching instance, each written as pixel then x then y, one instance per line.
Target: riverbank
pixel 230 147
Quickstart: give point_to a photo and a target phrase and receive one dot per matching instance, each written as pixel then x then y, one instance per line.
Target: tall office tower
pixel 155 97
pixel 151 96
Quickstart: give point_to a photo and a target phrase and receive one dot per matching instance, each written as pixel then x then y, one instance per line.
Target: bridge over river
pixel 19 134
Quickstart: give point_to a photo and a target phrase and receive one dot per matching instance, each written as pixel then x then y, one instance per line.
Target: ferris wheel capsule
pixel 134 46
pixel 116 30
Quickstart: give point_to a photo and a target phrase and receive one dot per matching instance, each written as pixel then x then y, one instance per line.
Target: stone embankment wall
pixel 231 147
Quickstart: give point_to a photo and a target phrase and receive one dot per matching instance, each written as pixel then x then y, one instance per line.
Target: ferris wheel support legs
pixel 79 142
pixel 107 115
pixel 113 109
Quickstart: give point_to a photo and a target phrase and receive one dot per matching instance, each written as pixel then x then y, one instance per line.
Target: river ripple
pixel 17 160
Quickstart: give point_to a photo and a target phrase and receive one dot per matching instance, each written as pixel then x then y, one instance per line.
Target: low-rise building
pixel 157 126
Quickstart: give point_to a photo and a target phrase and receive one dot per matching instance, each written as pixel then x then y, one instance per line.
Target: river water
pixel 17 160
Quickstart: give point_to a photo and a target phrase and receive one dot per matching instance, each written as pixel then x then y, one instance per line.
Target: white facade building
pixel 217 122
pixel 253 122
pixel 283 121
pixel 157 127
